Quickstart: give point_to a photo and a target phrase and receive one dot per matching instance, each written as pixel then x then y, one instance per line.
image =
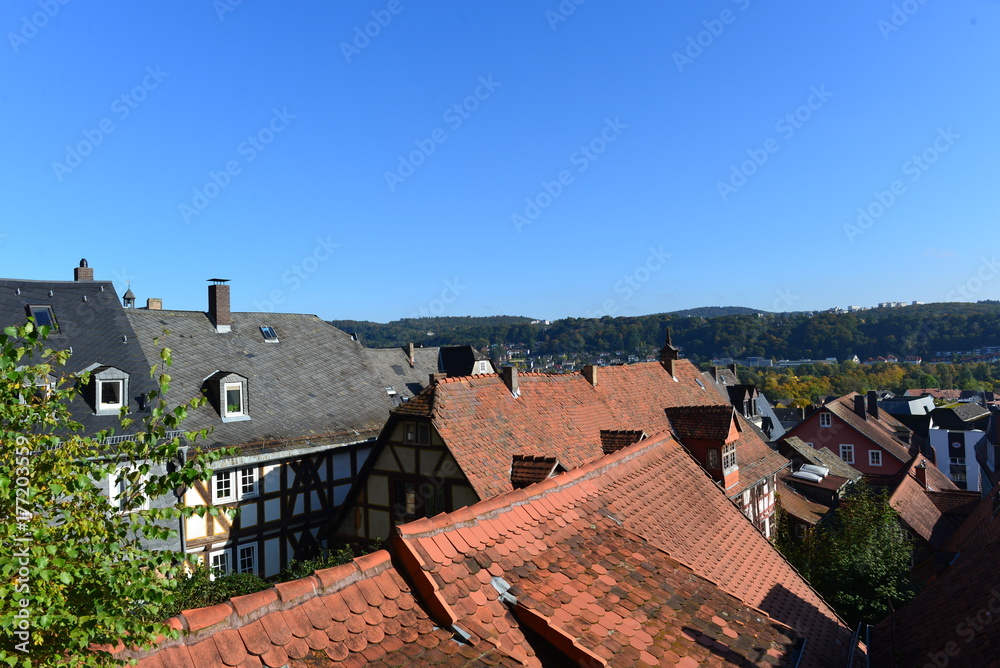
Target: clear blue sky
pixel 347 183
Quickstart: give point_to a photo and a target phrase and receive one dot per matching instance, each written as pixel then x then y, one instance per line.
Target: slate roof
pixel 634 558
pixel 313 384
pixel 799 449
pixel 96 330
pixel 965 416
pixel 459 360
pixel 393 368
pixel 882 431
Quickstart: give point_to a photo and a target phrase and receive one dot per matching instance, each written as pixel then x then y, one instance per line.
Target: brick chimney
pixel 83 272
pixel 920 471
pixel 715 373
pixel 873 404
pixel 435 377
pixel 669 355
pixel 218 305
pixel 590 373
pixel 409 354
pixel 859 407
pixel 509 375
pixel 732 367
pixel 154 304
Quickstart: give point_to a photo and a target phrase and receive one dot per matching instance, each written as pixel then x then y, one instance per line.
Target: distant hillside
pixel 715 311
pixel 912 330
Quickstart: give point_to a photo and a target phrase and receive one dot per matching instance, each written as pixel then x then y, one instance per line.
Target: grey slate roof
pixel 314 385
pixel 794 447
pixel 394 370
pixel 96 330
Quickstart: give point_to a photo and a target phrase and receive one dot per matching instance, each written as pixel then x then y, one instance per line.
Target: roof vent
pixel 85 298
pixel 51 294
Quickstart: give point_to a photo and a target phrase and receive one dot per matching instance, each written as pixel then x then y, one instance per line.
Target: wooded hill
pixel 912 330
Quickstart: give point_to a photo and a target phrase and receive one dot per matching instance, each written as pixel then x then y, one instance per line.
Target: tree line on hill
pixel 919 330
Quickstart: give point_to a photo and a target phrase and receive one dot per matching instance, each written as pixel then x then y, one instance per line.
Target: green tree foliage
pixel 74 570
pixel 859 560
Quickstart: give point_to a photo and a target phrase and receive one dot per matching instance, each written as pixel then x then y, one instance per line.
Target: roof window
pixel 43 316
pixel 270 336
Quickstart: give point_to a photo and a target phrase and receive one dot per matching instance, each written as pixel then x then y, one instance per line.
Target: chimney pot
pixel 590 373
pixel 509 375
pixel 859 407
pixel 218 305
pixel 83 272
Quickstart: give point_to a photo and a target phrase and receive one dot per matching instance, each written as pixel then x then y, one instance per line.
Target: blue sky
pixel 395 158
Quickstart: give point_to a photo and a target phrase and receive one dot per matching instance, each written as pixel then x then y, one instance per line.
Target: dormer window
pixel 227 392
pixel 108 390
pixel 43 316
pixel 728 457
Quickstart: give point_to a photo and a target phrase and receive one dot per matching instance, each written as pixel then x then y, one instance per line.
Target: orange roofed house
pixel 457 442
pixel 634 559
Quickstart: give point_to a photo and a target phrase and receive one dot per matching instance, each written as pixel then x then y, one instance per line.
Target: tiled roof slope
pixel 952 622
pixel 917 510
pixel 602 558
pixel 528 469
pixel 360 614
pixel 393 368
pixel 613 440
pixel 555 415
pixel 755 458
pixel 881 431
pixel 981 528
pixel 797 505
pixel 94 329
pixel 701 422
pixel 314 383
pixel 634 559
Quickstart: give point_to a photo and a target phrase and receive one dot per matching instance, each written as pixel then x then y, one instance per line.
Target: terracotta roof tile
pixel 701 422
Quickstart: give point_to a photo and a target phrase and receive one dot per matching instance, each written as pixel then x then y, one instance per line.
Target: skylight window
pixel 270 336
pixel 43 315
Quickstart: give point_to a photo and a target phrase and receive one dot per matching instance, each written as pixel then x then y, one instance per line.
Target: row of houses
pixel 659 477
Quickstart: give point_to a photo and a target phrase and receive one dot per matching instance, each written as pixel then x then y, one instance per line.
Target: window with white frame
pixel 123 487
pixel 875 458
pixel 847 452
pixel 109 394
pixel 233 399
pixel 728 456
pixel 249 485
pixel 222 487
pixel 825 419
pixel 482 367
pixel 246 559
pixel 219 563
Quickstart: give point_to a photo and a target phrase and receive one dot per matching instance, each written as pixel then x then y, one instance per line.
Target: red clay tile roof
pixel 953 621
pixel 980 528
pixel 561 416
pixel 596 556
pixel 917 510
pixel 701 422
pixel 528 469
pixel 613 440
pixel 797 505
pixel 362 613
pixel 755 459
pixel 635 558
